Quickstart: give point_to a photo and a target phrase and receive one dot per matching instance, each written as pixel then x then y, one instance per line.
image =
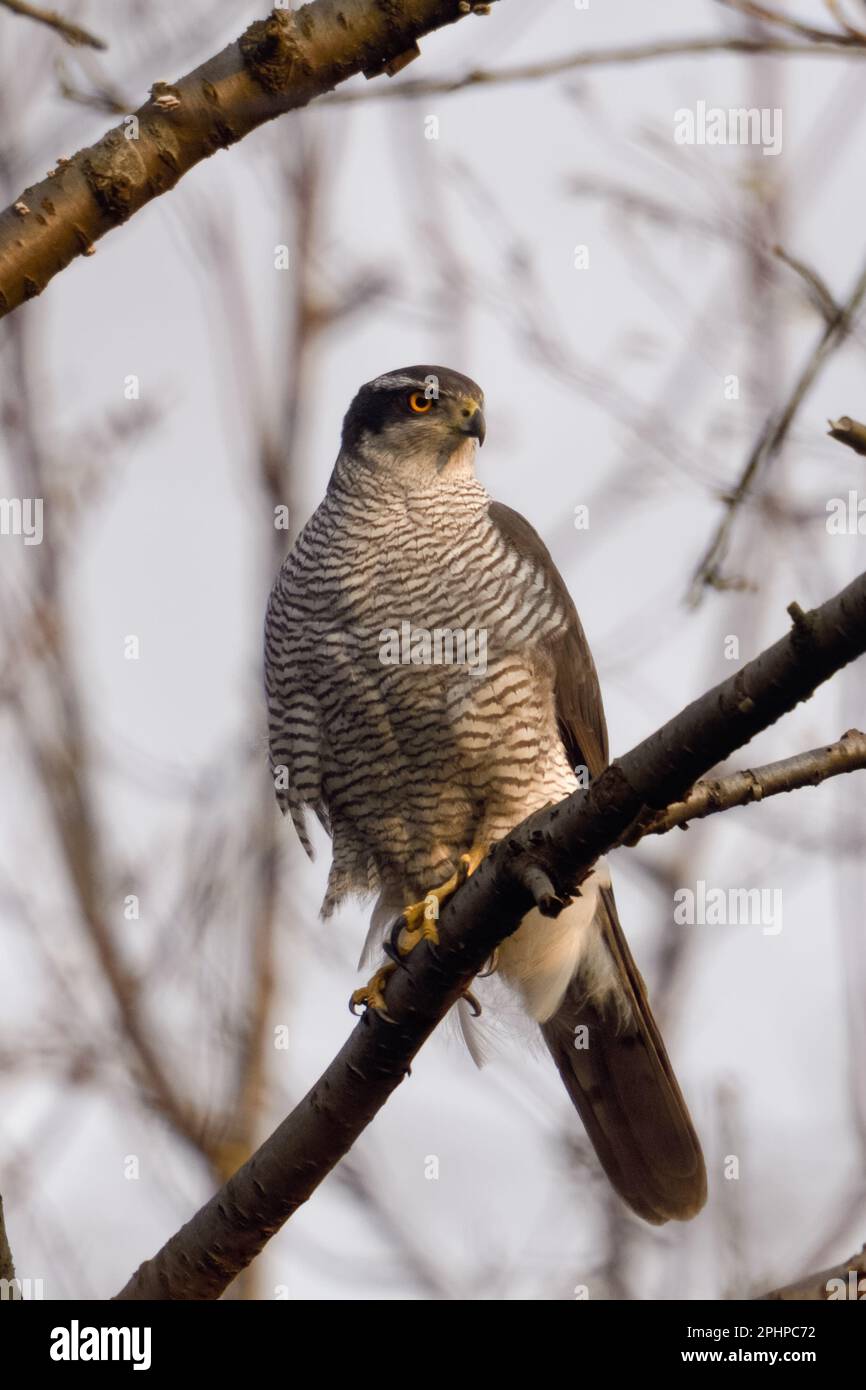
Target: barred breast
pixel 410 747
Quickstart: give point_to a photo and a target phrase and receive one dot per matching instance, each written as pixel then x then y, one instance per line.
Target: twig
pixel 844 1281
pixel 796 26
pixel 708 571
pixel 72 33
pixel 850 432
pixel 279 64
pixel 7 1264
pixel 594 58
pixel 756 784
pixel 819 291
pixel 836 11
pixel 565 840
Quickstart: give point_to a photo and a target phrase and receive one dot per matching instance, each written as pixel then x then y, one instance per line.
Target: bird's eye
pixel 419 403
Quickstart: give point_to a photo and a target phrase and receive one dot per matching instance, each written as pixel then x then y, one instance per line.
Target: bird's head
pixel 414 422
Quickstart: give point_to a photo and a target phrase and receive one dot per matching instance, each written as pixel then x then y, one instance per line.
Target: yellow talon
pixel 370 995
pixel 419 919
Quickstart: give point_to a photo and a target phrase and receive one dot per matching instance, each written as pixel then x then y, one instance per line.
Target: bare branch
pixel 850 432
pixel 817 288
pixel 842 1281
pixel 7 1264
pixel 708 573
pixel 279 64
pixel 836 11
pixel 562 842
pixel 756 784
pixel 796 26
pixel 834 44
pixel 72 33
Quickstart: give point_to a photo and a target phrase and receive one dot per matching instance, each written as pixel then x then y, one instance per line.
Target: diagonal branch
pixel 843 1281
pixel 771 440
pixel 796 26
pixel 817 289
pixel 278 64
pixel 72 33
pixel 541 861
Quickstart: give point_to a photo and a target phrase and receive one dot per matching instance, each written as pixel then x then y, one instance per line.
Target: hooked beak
pixel 473 422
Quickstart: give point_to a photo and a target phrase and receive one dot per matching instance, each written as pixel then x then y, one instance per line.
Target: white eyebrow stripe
pixel 385 383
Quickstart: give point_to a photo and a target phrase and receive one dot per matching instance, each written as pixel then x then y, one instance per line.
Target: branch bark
pixel 541 862
pixel 277 65
pixel 850 432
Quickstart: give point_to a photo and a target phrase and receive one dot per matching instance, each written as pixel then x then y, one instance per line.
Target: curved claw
pixel 371 996
pixel 472 1002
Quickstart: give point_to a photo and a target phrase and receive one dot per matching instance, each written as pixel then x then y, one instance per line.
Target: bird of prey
pixel 429 685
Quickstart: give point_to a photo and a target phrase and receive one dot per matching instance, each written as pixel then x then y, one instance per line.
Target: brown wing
pixel 622 1085
pixel 579 710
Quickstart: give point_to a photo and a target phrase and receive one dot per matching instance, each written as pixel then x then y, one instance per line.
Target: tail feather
pixel 623 1086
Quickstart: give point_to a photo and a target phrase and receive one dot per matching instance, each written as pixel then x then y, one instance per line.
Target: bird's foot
pixel 418 921
pixel 371 994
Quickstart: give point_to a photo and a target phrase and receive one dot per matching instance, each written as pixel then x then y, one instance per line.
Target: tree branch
pixel 850 432
pixel 757 783
pixel 72 33
pixel 541 861
pixel 279 64
pixel 7 1264
pixel 617 56
pixel 808 31
pixel 772 438
pixel 828 1284
pixel 817 289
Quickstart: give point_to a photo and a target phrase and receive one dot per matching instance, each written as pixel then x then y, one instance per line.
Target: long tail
pixel 624 1089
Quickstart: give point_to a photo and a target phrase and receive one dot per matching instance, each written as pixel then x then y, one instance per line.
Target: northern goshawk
pixel 429 685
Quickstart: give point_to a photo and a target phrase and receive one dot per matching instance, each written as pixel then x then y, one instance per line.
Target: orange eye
pixel 419 403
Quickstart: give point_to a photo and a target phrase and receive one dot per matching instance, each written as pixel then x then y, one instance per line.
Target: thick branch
pixel 553 849
pixel 757 783
pixel 843 1281
pixel 278 64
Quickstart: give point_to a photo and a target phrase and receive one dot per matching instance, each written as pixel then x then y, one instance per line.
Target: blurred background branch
pixel 71 33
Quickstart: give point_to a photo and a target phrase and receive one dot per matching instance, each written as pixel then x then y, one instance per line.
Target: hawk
pixel 429 685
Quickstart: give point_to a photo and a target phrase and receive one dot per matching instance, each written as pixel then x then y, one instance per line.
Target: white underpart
pixel 545 953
